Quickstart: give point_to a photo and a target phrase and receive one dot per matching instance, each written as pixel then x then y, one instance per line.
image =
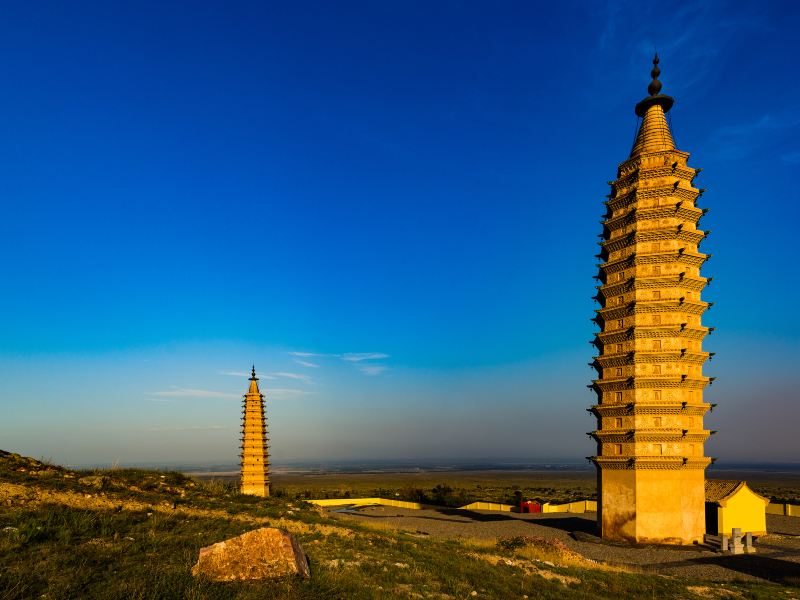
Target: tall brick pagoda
pixel 255 443
pixel 650 456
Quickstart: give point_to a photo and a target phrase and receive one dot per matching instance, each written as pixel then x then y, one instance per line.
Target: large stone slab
pixel 264 553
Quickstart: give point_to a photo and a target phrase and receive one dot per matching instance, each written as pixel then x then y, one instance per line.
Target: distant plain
pixel 780 483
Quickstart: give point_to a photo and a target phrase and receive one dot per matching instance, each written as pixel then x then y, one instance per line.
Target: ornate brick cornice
pixel 651 160
pixel 650 462
pixel 667 435
pixel 640 307
pixel 688 236
pixel 664 193
pixel 610 384
pixel 631 284
pixel 653 332
pixel 682 212
pixel 647 408
pixel 692 259
pixel 642 357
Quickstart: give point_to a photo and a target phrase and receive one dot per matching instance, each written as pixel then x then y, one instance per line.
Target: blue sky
pixel 390 208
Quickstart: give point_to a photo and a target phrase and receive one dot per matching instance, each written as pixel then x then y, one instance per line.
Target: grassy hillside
pixel 136 534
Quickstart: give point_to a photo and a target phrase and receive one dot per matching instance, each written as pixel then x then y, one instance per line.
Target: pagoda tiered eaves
pixel 254 445
pixel 677 210
pixel 641 408
pixel 650 358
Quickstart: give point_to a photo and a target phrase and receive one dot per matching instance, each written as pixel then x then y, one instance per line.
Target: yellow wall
pixel 368 501
pixel 745 510
pixel 790 510
pixel 580 506
pixel 487 506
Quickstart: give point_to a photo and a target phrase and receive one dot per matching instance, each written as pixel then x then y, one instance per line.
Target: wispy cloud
pixel 359 356
pixel 192 393
pixel 611 10
pixel 349 357
pixel 297 376
pixel 244 374
pixel 305 363
pixel 372 369
pixel 791 158
pixel 738 141
pixel 190 428
pixel 285 393
pixel 700 32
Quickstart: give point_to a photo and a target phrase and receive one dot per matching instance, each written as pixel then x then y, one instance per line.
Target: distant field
pixel 453 487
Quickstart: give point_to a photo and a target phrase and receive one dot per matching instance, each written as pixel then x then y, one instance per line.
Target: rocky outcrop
pixel 264 553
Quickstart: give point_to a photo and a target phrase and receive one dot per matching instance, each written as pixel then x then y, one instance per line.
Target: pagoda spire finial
pixel 253 375
pixel 655 86
pixel 654 89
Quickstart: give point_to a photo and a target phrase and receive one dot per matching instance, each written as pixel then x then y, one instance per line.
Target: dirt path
pixel 777 559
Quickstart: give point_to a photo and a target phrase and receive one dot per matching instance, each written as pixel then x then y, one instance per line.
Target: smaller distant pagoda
pixel 255 443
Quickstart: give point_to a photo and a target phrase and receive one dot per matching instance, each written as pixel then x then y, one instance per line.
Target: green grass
pixel 51 550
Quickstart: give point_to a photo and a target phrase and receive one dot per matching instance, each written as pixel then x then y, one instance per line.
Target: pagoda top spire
pixel 654 89
pixel 653 134
pixel 253 383
pixel 655 85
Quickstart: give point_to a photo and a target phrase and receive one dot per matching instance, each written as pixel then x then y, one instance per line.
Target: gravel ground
pixel 777 558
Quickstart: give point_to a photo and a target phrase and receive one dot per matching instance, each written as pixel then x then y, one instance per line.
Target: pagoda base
pixel 255 489
pixel 657 506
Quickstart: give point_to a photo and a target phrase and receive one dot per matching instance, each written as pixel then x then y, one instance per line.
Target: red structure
pixel 530 506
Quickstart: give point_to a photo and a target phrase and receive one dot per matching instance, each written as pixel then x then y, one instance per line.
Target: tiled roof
pixel 719 489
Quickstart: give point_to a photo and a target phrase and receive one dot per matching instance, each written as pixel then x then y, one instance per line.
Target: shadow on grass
pixel 770 568
pixel 569 524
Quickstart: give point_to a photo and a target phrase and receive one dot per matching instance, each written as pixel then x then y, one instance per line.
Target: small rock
pixel 400 565
pixel 95 481
pixel 473 593
pixel 264 553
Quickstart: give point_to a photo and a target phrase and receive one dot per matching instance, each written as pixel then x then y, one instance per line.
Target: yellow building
pixel 731 504
pixel 650 436
pixel 255 443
